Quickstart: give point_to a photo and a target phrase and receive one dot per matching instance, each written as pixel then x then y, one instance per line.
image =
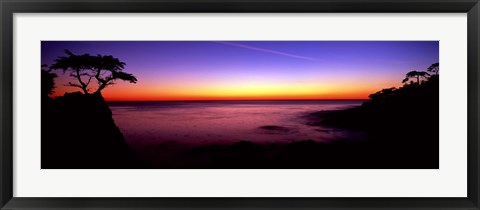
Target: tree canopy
pixel 105 69
pixel 434 68
pixel 416 74
pixel 47 82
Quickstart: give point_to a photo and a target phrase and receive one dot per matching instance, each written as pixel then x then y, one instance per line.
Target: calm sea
pixel 202 122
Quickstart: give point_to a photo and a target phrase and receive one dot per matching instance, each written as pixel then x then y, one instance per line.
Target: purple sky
pixel 169 70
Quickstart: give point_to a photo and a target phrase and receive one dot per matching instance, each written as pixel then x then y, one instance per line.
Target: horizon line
pixel 204 100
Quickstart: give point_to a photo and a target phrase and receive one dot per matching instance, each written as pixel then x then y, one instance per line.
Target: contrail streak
pixel 267 51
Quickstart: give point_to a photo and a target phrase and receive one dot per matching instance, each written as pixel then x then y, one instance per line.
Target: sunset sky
pixel 251 70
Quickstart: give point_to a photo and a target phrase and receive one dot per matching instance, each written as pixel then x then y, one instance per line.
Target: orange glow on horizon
pixel 233 90
pixel 133 95
pixel 145 97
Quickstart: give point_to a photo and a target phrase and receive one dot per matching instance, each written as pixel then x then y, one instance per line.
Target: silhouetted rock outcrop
pixel 78 131
pixel 401 125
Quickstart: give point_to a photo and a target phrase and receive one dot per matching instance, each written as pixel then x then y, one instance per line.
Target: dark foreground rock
pixel 78 131
pixel 306 154
pixel 401 126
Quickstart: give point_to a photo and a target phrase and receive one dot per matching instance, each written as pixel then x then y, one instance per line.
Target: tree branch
pixel 73 85
pixel 89 79
pixel 83 86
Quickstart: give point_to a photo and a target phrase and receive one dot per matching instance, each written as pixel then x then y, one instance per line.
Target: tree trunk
pixel 418 79
pixel 85 91
pixel 84 86
pixel 101 87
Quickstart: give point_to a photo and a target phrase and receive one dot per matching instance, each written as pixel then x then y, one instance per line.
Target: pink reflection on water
pixel 194 123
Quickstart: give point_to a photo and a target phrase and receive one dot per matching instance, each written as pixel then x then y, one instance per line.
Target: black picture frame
pixel 9 7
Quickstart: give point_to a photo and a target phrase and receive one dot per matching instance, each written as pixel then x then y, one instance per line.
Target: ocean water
pixel 222 122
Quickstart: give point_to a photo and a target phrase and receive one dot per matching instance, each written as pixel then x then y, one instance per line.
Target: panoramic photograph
pixel 239 104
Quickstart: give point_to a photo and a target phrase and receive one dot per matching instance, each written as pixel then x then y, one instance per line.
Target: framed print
pixel 239 105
